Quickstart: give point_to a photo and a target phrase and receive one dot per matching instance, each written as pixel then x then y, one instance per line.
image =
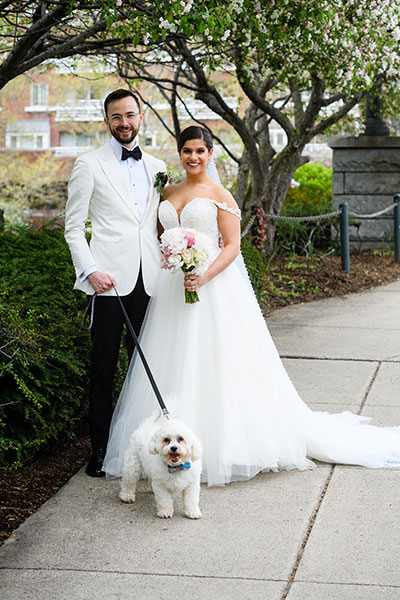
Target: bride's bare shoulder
pixel 170 190
pixel 224 197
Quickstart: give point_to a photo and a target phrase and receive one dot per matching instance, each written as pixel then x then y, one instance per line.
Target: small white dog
pixel 169 453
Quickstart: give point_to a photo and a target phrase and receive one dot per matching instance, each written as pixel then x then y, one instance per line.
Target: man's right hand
pixel 101 282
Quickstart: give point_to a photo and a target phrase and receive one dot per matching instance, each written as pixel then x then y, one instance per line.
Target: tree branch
pixel 332 119
pixel 267 108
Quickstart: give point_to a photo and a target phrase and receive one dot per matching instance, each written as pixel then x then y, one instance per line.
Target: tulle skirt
pixel 218 371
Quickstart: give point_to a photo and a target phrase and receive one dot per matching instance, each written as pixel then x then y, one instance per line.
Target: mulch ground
pixel 297 281
pixel 287 282
pixel 23 491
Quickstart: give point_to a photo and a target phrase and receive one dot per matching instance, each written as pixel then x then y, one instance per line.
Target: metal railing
pixel 344 229
pixel 343 213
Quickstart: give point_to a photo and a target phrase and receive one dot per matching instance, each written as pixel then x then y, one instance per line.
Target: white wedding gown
pixel 218 371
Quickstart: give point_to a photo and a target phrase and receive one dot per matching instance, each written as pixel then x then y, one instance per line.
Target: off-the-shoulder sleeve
pixel 233 211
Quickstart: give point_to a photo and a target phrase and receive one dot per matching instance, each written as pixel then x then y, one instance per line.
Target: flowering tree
pixel 302 63
pixel 33 32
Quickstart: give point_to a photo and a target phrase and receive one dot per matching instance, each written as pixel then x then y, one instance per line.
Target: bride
pixel 216 364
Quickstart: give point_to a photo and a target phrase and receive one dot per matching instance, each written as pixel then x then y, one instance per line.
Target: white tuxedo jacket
pixel 119 241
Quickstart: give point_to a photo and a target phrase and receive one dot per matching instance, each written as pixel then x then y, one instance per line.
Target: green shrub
pixel 256 268
pixel 313 197
pixel 44 352
pixel 315 176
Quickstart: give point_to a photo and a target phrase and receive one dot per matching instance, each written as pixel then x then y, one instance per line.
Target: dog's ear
pixel 154 444
pixel 197 448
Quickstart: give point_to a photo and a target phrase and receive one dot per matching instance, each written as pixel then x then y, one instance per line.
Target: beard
pixel 124 137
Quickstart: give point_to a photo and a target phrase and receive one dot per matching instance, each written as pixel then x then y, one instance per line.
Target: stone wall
pixel 366 175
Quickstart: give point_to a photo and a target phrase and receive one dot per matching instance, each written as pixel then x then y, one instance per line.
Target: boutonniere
pixel 161 181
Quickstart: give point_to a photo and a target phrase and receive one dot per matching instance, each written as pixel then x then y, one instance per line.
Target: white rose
pixel 175 261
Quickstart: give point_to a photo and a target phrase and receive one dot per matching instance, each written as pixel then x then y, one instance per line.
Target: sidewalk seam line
pixel 290 326
pixel 371 383
pixel 143 573
pixel 310 526
pixel 349 583
pixel 343 359
pixel 313 517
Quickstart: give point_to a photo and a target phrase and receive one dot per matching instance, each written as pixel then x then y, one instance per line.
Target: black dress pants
pixel 108 324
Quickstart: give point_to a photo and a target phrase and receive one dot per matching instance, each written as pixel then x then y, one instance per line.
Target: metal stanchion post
pixel 397 227
pixel 344 237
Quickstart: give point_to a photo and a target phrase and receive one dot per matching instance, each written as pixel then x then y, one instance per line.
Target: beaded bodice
pixel 199 213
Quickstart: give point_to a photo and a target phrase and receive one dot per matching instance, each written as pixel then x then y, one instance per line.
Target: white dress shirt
pixel 136 178
pixel 138 184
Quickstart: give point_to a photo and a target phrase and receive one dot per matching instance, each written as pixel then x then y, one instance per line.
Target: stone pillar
pixel 366 175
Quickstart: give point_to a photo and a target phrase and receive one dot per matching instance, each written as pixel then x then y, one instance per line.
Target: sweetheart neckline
pixel 179 214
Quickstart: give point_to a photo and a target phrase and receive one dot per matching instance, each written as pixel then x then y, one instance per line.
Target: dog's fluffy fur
pixel 155 445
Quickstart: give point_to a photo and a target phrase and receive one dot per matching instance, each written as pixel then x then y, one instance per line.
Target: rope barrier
pixel 372 215
pixel 317 218
pixel 335 213
pixel 343 213
pixel 248 226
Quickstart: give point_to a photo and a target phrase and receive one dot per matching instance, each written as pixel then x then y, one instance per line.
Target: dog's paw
pixel 165 513
pixel 193 513
pixel 129 499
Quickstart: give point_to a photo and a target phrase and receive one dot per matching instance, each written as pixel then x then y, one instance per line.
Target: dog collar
pixel 184 467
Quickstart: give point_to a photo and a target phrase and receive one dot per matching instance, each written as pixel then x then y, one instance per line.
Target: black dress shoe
pixel 95 464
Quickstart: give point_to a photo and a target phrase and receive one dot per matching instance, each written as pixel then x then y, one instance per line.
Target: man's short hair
pixel 117 95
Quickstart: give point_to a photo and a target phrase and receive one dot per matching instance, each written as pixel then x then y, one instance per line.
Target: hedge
pixel 44 351
pixel 256 268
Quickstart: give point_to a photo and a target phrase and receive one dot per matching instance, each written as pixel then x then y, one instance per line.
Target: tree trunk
pixel 242 179
pixel 277 185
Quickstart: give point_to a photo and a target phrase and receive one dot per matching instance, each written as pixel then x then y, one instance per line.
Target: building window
pixel 75 140
pixel 28 134
pixel 87 94
pixel 150 139
pixel 26 142
pixel 39 94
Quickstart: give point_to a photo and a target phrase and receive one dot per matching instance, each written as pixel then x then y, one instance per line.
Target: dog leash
pixel 89 314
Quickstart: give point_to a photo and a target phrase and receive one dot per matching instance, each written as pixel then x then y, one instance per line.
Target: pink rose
pixel 191 240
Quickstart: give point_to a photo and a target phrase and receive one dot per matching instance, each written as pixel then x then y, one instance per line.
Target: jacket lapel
pixel 116 177
pixel 153 198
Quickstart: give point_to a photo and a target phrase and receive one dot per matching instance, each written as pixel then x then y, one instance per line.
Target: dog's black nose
pixel 174 448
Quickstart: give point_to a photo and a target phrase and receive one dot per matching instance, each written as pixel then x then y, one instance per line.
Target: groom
pixel 114 186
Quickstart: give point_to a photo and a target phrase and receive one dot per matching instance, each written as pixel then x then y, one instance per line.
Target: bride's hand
pixel 194 282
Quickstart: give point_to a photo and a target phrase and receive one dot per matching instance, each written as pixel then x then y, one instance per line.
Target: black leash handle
pixel 142 356
pixel 89 313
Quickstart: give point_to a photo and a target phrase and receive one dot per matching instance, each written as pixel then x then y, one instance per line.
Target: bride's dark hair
pixel 194 132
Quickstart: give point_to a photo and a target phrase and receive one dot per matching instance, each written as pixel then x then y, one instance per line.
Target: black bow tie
pixel 136 153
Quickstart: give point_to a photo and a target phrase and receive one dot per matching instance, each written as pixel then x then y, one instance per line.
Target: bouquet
pixel 186 249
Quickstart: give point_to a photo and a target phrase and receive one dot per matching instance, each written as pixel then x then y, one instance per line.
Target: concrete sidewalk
pixel 332 533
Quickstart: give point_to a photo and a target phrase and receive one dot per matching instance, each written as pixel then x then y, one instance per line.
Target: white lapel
pixel 153 194
pixel 116 177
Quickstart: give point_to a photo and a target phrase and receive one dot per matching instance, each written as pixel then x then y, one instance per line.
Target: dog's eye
pixel 180 439
pixel 166 440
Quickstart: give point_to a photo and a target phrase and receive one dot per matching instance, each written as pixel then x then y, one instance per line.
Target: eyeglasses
pixel 117 119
